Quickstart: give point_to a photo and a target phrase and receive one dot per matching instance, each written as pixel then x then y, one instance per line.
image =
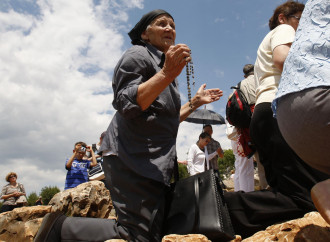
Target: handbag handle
pixel 196 186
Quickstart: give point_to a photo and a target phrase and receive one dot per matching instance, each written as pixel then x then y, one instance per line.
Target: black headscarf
pixel 135 33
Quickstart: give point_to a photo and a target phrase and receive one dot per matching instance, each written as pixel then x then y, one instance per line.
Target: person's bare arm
pixel 202 97
pixel 220 152
pixel 4 197
pixel 176 58
pixel 279 55
pixel 69 163
pixel 94 162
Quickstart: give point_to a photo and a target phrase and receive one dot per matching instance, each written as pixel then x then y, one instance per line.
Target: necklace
pixel 190 72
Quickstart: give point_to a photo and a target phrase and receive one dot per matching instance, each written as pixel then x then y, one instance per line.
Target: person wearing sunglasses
pixel 11 192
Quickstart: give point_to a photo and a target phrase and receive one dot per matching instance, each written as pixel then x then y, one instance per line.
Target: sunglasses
pixel 11 176
pixel 294 16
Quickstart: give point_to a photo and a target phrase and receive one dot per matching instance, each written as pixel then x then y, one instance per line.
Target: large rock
pixel 90 199
pixel 22 224
pixel 185 238
pixel 312 227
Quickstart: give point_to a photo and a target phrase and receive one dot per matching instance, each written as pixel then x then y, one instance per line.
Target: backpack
pixel 238 111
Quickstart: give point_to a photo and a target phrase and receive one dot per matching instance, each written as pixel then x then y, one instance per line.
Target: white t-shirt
pixel 196 159
pixel 267 76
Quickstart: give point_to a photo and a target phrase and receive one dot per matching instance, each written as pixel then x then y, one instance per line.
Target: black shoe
pixel 50 229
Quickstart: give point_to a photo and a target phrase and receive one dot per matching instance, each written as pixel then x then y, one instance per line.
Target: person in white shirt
pixel 197 154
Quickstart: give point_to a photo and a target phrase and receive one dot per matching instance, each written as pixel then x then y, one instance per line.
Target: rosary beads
pixel 190 72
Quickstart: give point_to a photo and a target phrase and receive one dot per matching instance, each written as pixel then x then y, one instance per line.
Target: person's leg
pixel 304 121
pixel 254 211
pixel 7 208
pixel 261 173
pixel 289 177
pixel 247 174
pixel 261 131
pixel 237 186
pixel 139 202
pixel 92 229
pixel 285 171
pixel 310 138
pixel 237 167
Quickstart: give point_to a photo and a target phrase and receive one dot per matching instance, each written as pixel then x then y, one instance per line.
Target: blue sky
pixel 56 64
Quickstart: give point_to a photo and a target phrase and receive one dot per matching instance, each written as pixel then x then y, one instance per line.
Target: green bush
pixel 47 193
pixel 226 164
pixel 183 171
pixel 32 198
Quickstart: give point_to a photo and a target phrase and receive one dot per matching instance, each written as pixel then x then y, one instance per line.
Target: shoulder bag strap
pixel 196 186
pixel 20 187
pixel 176 170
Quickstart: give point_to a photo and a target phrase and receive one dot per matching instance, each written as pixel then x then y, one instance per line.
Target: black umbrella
pixel 205 116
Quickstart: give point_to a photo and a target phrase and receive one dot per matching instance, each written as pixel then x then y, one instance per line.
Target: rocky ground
pixel 92 199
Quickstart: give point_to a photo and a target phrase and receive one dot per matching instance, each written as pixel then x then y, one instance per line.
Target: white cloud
pixel 56 83
pixel 219 73
pixel 248 58
pixel 219 20
pixel 56 69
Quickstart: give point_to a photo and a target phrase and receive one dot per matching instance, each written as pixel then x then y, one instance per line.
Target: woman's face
pixel 292 20
pixel 12 178
pixel 204 142
pixel 160 33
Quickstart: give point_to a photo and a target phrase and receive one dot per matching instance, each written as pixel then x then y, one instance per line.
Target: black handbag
pixel 195 205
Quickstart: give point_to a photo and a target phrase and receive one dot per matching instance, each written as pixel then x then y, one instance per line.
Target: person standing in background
pixel 39 201
pixel 289 177
pixel 197 154
pixel 302 103
pixel 212 146
pixel 77 167
pixel 244 166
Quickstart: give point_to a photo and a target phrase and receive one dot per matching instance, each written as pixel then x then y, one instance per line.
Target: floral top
pixel 308 62
pixel 9 189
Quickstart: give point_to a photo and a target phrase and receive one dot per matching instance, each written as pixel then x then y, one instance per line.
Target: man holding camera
pixel 77 166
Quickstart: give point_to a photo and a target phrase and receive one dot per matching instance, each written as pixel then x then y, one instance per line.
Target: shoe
pixel 50 229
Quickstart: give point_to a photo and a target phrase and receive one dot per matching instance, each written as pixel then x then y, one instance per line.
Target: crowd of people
pixel 80 168
pixel 139 146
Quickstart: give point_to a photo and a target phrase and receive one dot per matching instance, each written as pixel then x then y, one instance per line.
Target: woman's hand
pixel 202 97
pixel 16 194
pixel 207 96
pixel 176 58
pixel 175 61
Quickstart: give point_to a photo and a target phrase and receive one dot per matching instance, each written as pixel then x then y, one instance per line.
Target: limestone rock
pixel 229 183
pixel 90 199
pixel 312 227
pixel 115 240
pixel 22 224
pixel 185 238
